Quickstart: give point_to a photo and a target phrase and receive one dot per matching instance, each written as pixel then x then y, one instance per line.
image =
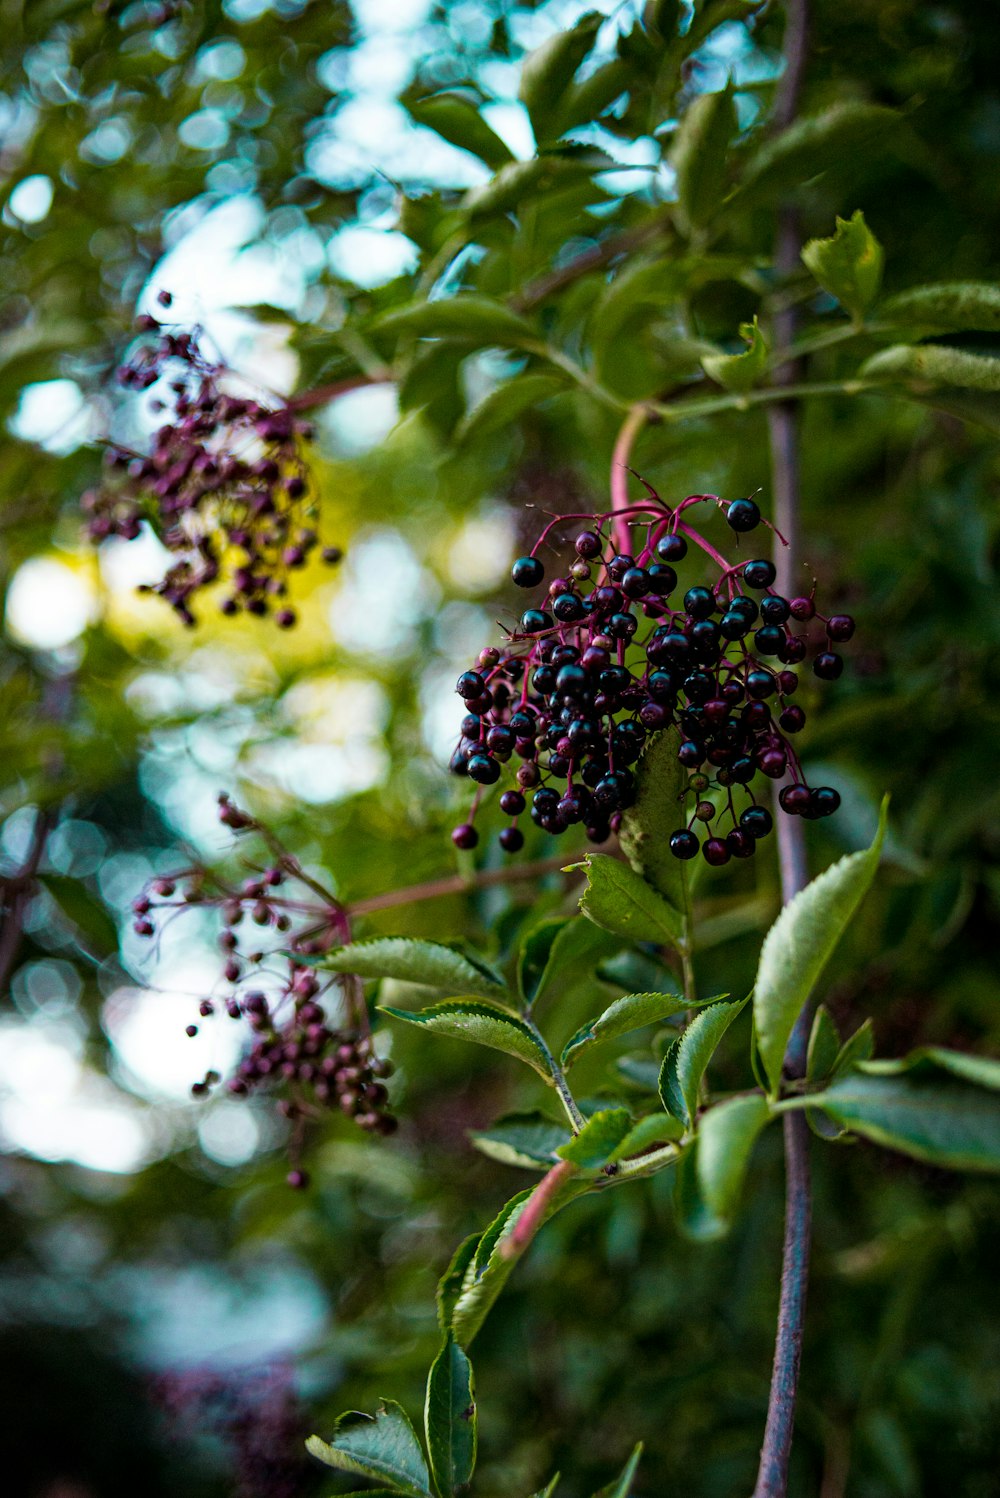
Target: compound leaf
pixel 687 1058
pixel 426 962
pixel 485 1024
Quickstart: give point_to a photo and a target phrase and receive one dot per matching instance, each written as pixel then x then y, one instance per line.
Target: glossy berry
pixel 671 548
pixel 740 843
pixel 794 799
pixel 588 544
pixel 699 602
pixel 774 609
pixel 743 515
pixel 511 840
pixel 683 844
pixel 757 820
pixel 533 621
pixel 769 639
pixel 465 836
pixel 482 769
pixel 662 579
pixel 792 719
pixel 802 609
pixel 715 852
pixel 512 803
pixel 828 666
pixel 840 627
pixel 824 801
pixel 527 572
pixel 759 573
pixel 470 684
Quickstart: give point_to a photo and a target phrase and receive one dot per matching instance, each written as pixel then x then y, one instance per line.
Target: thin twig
pixel 596 258
pixel 620 467
pixel 782 420
pixel 457 884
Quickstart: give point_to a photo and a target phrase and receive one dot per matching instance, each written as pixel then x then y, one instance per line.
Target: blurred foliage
pixel 596 287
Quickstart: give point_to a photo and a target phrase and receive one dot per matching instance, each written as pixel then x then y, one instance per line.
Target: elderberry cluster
pixel 223 486
pixel 296 1046
pixel 616 652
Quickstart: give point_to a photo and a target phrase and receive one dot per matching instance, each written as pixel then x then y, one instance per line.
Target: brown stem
pixel 543 287
pixel 322 395
pixel 456 884
pixel 782 419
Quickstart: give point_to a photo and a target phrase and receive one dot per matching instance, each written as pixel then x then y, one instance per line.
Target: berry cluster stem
pixel 782 420
pixel 621 458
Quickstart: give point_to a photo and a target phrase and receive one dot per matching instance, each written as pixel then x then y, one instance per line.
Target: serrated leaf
pixel 558 953
pixel 726 1137
pixel 450 1419
pixel 639 1072
pixel 548 72
pixel 699 155
pixel 687 1058
pixel 801 942
pixel 383 1448
pixel 630 1012
pixel 528 1140
pixel 504 405
pixel 622 1485
pixel 922 367
pixel 598 1139
pixel 493 1262
pixel 450 1284
pixel 484 1024
pixel 655 1128
pixel 849 265
pixel 458 121
pixel 654 815
pixel 426 962
pixel 621 901
pixel 926 1060
pixel 468 318
pixel 948 1123
pixel 858 1047
pixel 739 372
pixel 824 1046
pixel 950 307
pixel 813 144
pixel 84 911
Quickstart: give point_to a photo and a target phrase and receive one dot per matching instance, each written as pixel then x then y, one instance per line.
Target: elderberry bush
pixel 616 650
pixel 310 1043
pixel 224 485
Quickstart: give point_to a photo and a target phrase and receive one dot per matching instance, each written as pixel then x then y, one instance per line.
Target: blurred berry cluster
pixel 256 1412
pixel 223 486
pixel 617 650
pixel 310 1039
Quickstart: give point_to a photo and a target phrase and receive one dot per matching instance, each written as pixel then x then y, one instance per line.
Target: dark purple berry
pixel 828 666
pixel 527 572
pixel 824 801
pixel 465 836
pixel 840 627
pixel 588 544
pixel 759 574
pixel 683 844
pixel 512 803
pixel 671 548
pixel 740 843
pixel 482 769
pixel 512 840
pixel 757 820
pixel 792 719
pixel 802 608
pixel 794 799
pixel 743 515
pixel 470 684
pixel 533 621
pixel 715 852
pixel 699 602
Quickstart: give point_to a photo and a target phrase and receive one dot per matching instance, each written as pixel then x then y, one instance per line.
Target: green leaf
pixel 469 318
pixel 598 1139
pixel 848 266
pixel 655 1128
pixel 816 143
pixel 622 1485
pixel 923 367
pixel 631 1012
pixel 699 156
pixel 529 1140
pixel 84 912
pixel 951 307
pixel 432 384
pixel 801 942
pixel 656 812
pixel 426 962
pixel 858 1047
pixel 383 1448
pixel 450 1284
pixel 491 1267
pixel 946 1123
pixel 505 404
pixel 450 1419
pixel 621 901
pixel 548 72
pixel 739 372
pixel 687 1058
pixel 694 1218
pixel 726 1137
pixel 485 1024
pixel 927 1060
pixel 547 1492
pixel 824 1046
pixel 558 953
pixel 458 121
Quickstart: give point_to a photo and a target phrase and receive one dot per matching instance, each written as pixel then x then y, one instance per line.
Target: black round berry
pixel 715 852
pixel 824 801
pixel 743 515
pixel 588 544
pixel 828 666
pixel 699 602
pixel 840 627
pixel 568 608
pixel 470 684
pixel 683 844
pixel 759 574
pixel 794 799
pixel 769 639
pixel 774 609
pixel 465 836
pixel 619 565
pixel 511 840
pixel 671 548
pixel 792 719
pixel 740 843
pixel 533 621
pixel 662 580
pixel 759 684
pixel 634 582
pixel 482 769
pixel 757 820
pixel 527 572
pixel 734 625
